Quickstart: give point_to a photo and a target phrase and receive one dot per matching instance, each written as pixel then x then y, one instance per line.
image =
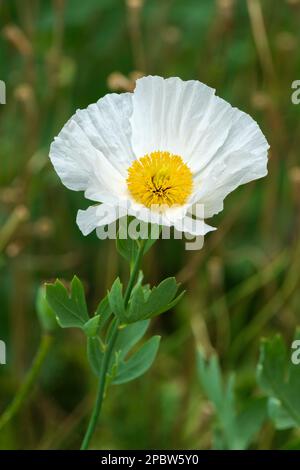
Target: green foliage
pixel 233 430
pixel 125 365
pixel 70 310
pixel 104 313
pixel 124 370
pixel 45 313
pixel 279 378
pixel 138 363
pixel 129 336
pixel 97 323
pixel 92 326
pixel 116 300
pixel 144 303
pixel 156 301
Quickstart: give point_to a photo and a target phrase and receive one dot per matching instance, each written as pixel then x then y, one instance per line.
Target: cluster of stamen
pixel 160 179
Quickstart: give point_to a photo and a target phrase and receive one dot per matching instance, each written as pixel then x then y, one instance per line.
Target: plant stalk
pixel 107 355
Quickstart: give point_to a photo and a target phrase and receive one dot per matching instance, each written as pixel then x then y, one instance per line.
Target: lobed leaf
pixel 145 303
pixel 91 327
pixel 116 301
pixel 233 430
pixel 70 310
pixel 280 380
pixel 138 363
pixel 104 311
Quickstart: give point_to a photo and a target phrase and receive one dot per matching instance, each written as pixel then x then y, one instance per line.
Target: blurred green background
pixel 57 56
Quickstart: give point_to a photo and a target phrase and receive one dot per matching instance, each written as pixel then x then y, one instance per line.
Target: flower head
pixel 158 152
pixel 160 179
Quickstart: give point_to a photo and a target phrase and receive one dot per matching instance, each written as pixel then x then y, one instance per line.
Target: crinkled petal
pixel 97 216
pixel 193 226
pixel 96 137
pixel 169 114
pixel 179 217
pixel 233 170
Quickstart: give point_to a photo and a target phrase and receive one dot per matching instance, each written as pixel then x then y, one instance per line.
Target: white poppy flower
pixel 158 152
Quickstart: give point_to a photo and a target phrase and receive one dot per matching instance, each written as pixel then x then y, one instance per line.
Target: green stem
pixel 101 387
pixel 107 355
pixel 29 381
pixel 134 271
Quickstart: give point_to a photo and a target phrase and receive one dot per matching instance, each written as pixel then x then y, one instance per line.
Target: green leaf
pixel 136 305
pixel 45 313
pixel 104 311
pixel 129 336
pixel 95 324
pixel 279 415
pixel 77 294
pixel 280 380
pixel 70 310
pixel 210 378
pixel 170 305
pixel 95 354
pixel 161 296
pixel 250 421
pixel 145 303
pixel 138 363
pixel 233 430
pixel 271 365
pixel 91 327
pixel 116 301
pixel 222 397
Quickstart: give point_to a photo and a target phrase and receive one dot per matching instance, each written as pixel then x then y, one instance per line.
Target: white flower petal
pixel 144 214
pixel 107 125
pixel 193 226
pixel 182 117
pixel 243 136
pixel 173 217
pixel 105 185
pixel 175 213
pixel 96 216
pixel 96 137
pixel 233 170
pixel 169 114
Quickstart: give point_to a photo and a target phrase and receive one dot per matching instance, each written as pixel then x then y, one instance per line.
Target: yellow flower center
pixel 160 178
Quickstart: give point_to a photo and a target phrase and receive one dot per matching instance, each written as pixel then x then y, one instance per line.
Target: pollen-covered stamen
pixel 160 179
